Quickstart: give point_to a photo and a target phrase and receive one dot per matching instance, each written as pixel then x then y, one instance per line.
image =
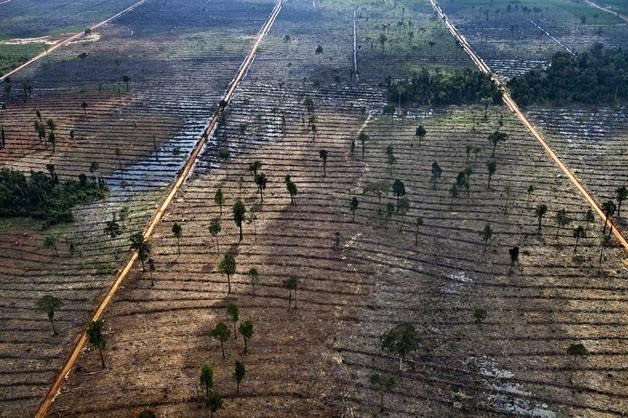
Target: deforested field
pixel 349 229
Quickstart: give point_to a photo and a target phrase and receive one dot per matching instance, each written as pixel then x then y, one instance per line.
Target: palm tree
pixel 323 154
pixel 486 235
pixel 238 214
pixel 49 304
pixel 540 211
pixel 261 181
pixel 238 374
pixel 214 230
pixel 246 329
pixel 227 266
pixel 96 338
pixel 561 220
pixel 139 244
pixel 291 284
pixel 578 233
pixel 399 190
pixel 609 209
pixel 234 314
pixel 221 333
pixel 207 378
pixel 495 138
pixel 363 138
pixel 112 227
pixel 354 207
pixel 492 167
pixel 621 194
pixel 219 199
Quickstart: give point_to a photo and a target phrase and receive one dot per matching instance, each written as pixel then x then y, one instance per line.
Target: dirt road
pixel 65 41
pixel 512 105
pixel 183 174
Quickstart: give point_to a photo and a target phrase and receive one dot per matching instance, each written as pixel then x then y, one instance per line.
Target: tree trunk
pixel 381 400
pixel 52 323
pixel 246 348
pixel 295 298
pixel 229 284
pixel 240 231
pixel 575 248
pixel 102 357
pixel 289 299
pixel 222 348
pixel 235 331
pixel 237 386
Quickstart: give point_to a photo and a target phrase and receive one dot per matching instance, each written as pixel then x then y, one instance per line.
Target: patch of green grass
pixel 12 56
pixel 19 223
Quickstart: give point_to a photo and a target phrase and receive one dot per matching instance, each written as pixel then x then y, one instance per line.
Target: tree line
pixel 596 76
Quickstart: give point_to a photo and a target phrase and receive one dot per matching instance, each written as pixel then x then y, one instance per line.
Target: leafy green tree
pixel 495 138
pixel 514 255
pixel 492 168
pixel 291 285
pixel 561 220
pixel 214 230
pixel 261 181
pixel 246 329
pixel 219 199
pixel 207 378
pixel 354 207
pixel 147 413
pixel 323 154
pixel 139 244
pixel 390 158
pixel 40 128
pixel 621 193
pixel 540 211
pixel 96 338
pixel 292 189
pixel 50 241
pixel 529 191
pixel 420 133
pixel 399 190
pixel 51 124
pixel 479 314
pixel 383 384
pixel 213 403
pixel 419 223
pixel 609 209
pixel 578 233
pixel 49 304
pixel 227 266
pixel 400 340
pixel 363 138
pixel 254 276
pixel 52 139
pixel 589 217
pixel 234 314
pixel 254 167
pixel 238 374
pixel 221 334
pixel 436 174
pixel 377 188
pixel 239 210
pixel 486 234
pixel 177 231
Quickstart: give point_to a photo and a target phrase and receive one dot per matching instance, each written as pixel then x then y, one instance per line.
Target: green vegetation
pixel 43 196
pixel 12 56
pixel 594 77
pixel 444 88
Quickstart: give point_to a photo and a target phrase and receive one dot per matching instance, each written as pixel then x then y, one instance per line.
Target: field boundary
pixel 65 41
pixel 512 105
pixel 181 177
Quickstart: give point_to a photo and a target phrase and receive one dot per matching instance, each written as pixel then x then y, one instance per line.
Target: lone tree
pixel 96 338
pixel 399 190
pixel 609 209
pixel 246 329
pixel 234 314
pixel 261 181
pixel 514 255
pixel 561 220
pixel 540 211
pixel 227 266
pixel 214 230
pixel 238 374
pixel 126 79
pixel 621 193
pixel 495 138
pixel 254 276
pixel 213 403
pixel 578 233
pixel 139 244
pixel 436 173
pixel 383 384
pixel 292 190
pixel 400 340
pixel 390 158
pixel 363 138
pixel 50 241
pixel 177 231
pixel 84 106
pixel 52 139
pixel 420 133
pixel 207 378
pixel 492 168
pixel 323 154
pixel 354 207
pixel 221 333
pixel 238 215
pixel 291 284
pixel 254 167
pixel 486 234
pixel 219 199
pixel 49 304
